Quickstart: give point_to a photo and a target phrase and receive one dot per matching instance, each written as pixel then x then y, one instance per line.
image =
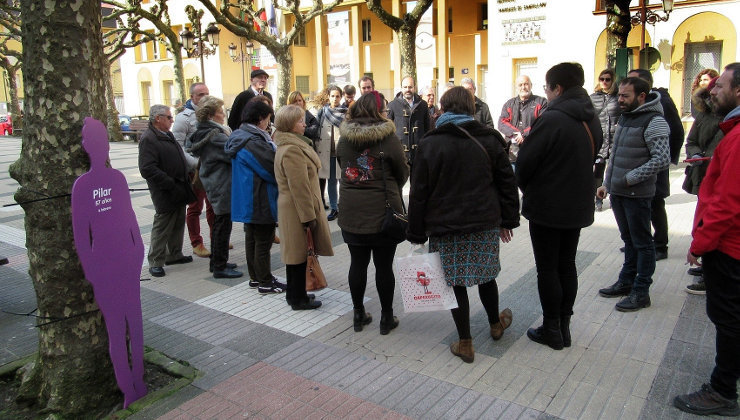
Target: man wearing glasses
pixel 162 163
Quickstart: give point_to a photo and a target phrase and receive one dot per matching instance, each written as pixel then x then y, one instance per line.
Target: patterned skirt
pixel 468 258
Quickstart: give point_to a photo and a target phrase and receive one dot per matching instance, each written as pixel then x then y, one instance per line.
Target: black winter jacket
pixel 235 115
pixel 555 164
pixel 703 138
pixel 456 189
pixel 362 190
pixel 162 164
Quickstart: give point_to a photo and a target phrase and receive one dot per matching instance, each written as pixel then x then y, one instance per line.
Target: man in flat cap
pixel 259 81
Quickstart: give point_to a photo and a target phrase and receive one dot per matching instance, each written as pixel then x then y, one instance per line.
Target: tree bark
pixel 112 123
pixel 285 64
pixel 63 68
pixel 618 27
pixel 407 48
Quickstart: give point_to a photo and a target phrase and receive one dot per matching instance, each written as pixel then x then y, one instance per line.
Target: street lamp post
pixel 194 44
pixel 643 16
pixel 241 57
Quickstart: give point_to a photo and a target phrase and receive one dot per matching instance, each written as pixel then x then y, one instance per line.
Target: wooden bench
pixel 135 129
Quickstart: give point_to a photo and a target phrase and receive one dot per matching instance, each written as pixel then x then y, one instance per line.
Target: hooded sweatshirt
pixel 554 168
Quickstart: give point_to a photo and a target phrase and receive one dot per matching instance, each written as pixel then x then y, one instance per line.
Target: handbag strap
pixel 476 142
pixel 309 242
pixel 590 136
pixel 385 185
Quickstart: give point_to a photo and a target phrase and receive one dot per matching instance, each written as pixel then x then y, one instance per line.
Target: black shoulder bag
pixel 394 223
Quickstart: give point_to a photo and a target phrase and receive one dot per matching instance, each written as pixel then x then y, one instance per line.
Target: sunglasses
pixel 605 79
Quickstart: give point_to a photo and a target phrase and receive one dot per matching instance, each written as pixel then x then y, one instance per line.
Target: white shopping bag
pixel 422 280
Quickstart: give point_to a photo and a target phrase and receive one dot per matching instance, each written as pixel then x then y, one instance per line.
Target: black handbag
pixel 395 224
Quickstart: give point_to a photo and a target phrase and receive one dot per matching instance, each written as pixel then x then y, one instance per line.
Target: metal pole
pixel 241 60
pixel 643 20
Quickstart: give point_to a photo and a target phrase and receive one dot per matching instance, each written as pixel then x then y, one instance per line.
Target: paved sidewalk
pixel 262 360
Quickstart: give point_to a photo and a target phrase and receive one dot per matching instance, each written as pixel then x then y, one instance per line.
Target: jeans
pixel 220 235
pixel 633 220
pixel 257 244
pixel 659 219
pixel 385 280
pixel 193 216
pixel 557 278
pixel 333 183
pixel 722 277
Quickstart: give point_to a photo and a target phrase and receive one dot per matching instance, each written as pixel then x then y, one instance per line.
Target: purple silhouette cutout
pixel 111 251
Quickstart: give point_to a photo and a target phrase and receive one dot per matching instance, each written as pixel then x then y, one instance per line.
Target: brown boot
pixel 276 240
pixel 201 251
pixel 504 321
pixel 463 349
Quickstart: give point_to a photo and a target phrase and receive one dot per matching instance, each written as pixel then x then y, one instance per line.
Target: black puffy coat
pixel 554 168
pixel 456 189
pixel 703 138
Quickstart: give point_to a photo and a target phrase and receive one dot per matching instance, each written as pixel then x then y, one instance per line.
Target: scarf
pixel 449 117
pixel 225 128
pixel 334 115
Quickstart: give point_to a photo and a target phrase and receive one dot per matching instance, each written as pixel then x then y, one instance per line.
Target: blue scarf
pixel 449 117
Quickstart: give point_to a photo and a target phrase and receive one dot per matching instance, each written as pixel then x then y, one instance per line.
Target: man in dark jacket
pixel 640 151
pixel 411 117
pixel 554 172
pixel 658 215
pixel 259 81
pixel 162 164
pixel 518 115
pixel 482 113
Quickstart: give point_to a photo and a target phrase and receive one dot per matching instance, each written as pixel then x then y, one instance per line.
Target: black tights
pixel 461 315
pixel 385 281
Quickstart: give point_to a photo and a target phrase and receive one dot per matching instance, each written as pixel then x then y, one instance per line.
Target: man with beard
pixel 410 115
pixel 366 85
pixel 716 240
pixel 640 150
pixel 259 81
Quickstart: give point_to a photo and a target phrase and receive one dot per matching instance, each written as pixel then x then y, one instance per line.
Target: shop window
pixel 302 84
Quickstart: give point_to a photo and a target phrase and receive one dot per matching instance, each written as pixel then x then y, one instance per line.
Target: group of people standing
pixel 464 199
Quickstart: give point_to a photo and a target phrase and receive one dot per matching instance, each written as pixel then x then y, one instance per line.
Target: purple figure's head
pixel 95 141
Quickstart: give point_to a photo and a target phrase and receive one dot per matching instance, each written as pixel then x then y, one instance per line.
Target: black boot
pixel 387 322
pixel 565 330
pixel 361 319
pixel 548 334
pixel 615 290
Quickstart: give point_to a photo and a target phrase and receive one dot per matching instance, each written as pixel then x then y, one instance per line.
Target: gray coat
pixel 640 151
pixel 208 143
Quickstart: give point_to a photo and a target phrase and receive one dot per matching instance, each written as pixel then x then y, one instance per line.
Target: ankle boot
pixel 548 334
pixel 361 319
pixel 565 330
pixel 463 349
pixel 387 322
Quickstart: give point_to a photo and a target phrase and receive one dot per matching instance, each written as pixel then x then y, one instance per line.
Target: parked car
pixel 6 125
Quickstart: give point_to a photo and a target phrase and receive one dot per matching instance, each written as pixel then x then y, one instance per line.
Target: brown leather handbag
pixel 315 279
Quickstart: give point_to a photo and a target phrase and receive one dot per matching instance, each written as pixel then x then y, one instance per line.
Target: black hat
pixel 257 73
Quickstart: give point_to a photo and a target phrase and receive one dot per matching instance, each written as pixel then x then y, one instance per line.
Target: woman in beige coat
pixel 299 203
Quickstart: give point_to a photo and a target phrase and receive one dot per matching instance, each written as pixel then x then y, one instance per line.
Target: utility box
pixel 624 60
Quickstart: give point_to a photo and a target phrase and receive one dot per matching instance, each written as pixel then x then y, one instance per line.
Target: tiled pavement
pixel 262 360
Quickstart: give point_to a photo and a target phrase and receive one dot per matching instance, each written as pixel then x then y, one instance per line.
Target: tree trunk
pixel 407 48
pixel 63 68
pixel 179 75
pixel 618 27
pixel 112 123
pixel 285 64
pixel 15 106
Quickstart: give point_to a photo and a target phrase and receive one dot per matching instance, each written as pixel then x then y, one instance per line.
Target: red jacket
pixel 717 217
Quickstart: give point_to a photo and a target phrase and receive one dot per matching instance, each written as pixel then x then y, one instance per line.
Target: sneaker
pixel 332 215
pixel 706 401
pixel 698 288
pixel 270 289
pixel 696 271
pixel 276 282
pixel 201 251
pixel 253 283
pixel 633 302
